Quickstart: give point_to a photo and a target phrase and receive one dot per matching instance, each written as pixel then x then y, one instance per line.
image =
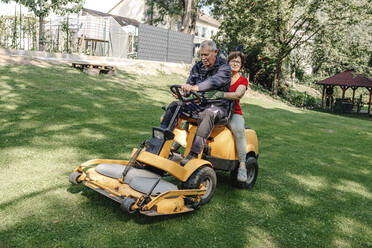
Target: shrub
pixel 296 98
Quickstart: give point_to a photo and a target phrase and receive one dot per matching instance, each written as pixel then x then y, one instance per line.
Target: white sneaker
pixel 242 174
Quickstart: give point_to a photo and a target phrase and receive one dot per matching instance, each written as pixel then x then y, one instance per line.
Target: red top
pixel 241 81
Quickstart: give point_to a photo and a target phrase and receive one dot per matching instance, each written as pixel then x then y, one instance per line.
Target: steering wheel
pixel 196 98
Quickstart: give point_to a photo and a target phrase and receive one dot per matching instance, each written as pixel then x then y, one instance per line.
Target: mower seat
pixel 225 120
pixel 222 122
pixel 138 179
pixel 193 117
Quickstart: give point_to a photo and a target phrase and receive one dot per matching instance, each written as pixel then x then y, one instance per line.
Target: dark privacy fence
pixel 166 45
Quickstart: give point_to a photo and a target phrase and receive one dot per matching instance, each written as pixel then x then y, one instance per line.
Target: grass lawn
pixel 314 187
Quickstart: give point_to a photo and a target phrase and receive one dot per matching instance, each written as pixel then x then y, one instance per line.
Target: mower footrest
pixel 111 170
pixel 140 180
pixel 144 185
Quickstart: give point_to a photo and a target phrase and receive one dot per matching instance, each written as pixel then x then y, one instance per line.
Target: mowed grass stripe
pixel 314 187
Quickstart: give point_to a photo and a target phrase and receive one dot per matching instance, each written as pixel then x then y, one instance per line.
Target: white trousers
pixel 236 126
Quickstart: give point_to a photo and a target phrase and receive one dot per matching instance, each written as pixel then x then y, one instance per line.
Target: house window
pixel 212 33
pixel 204 32
pixel 196 31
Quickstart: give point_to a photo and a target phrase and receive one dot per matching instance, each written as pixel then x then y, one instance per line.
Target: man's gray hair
pixel 209 44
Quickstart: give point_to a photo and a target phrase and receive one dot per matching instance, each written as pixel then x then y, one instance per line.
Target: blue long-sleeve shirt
pixel 217 77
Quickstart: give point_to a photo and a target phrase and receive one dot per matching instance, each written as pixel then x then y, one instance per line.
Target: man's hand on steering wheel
pixel 189 88
pixel 179 93
pixel 176 96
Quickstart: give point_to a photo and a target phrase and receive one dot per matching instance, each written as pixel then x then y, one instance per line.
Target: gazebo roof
pixel 347 78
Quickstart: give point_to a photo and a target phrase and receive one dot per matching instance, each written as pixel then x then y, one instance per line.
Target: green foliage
pixel 290 31
pixel 68 33
pixel 298 99
pixel 10 30
pixel 344 47
pixel 272 28
pixel 42 8
pixel 294 97
pixel 183 12
pixel 159 9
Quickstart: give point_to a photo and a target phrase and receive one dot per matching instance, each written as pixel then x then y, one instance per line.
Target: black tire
pixel 252 173
pixel 204 175
pixel 127 204
pixel 74 177
pixel 189 202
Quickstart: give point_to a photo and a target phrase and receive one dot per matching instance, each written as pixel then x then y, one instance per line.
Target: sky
pixel 100 5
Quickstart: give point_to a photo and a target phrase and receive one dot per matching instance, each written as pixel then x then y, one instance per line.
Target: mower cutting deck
pixel 140 189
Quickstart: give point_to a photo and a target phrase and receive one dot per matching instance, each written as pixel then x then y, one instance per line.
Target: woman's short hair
pixel 234 55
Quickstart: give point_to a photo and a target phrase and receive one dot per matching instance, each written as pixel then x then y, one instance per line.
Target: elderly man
pixel 211 73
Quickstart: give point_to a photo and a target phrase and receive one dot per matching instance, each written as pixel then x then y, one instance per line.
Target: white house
pixel 205 28
pixel 134 9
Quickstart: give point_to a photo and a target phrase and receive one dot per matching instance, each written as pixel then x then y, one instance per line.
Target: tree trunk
pixel 151 16
pixel 278 71
pixel 41 33
pixel 14 38
pixel 189 16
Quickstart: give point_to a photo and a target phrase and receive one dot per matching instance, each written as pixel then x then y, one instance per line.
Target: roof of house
pixel 347 78
pixel 123 21
pixel 208 19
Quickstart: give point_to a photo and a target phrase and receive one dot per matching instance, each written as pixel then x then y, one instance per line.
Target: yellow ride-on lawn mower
pixel 140 184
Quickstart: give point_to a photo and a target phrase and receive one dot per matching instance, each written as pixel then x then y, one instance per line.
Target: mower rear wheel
pixel 252 171
pixel 204 175
pixel 74 177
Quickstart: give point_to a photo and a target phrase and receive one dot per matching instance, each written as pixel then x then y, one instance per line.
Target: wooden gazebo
pixel 346 80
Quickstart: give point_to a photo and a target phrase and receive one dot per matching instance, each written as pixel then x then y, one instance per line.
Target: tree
pixel 345 47
pixel 186 11
pixel 42 8
pixel 277 27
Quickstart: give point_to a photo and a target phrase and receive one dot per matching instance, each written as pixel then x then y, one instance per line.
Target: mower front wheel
pixel 204 175
pixel 127 204
pixel 74 177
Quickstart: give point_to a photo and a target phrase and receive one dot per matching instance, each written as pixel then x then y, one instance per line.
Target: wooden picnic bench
pixel 94 69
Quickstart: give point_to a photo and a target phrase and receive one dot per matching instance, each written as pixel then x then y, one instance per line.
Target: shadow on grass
pixel 361 116
pixel 313 190
pixel 95 114
pixel 28 196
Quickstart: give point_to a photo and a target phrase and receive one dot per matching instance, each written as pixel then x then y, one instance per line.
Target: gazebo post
pixel 370 98
pixel 324 88
pixel 344 88
pixel 354 88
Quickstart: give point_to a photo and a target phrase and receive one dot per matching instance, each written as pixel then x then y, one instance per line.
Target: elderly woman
pixel 238 87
